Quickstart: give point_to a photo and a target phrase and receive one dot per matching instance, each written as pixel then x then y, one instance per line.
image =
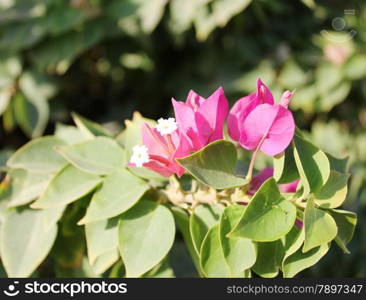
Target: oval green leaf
pixel 269 258
pixel 69 185
pixel 312 164
pixel 268 217
pixel 299 261
pixel 214 165
pixel 100 156
pixel 101 237
pixel 201 220
pixel 212 258
pixel 25 242
pixel 240 253
pixel 334 192
pixel 320 227
pixel 284 166
pixel 39 156
pixel 119 192
pixel 346 222
pixel 146 234
pixel 26 186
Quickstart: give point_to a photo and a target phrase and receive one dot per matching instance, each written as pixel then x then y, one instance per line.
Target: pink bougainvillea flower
pixel 266 173
pixel 244 106
pixel 201 120
pixel 161 146
pixel 255 121
pixel 272 126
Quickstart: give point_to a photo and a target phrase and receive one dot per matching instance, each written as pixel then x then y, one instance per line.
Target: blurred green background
pixel 105 59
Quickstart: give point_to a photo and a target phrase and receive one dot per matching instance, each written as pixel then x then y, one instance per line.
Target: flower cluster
pixel 255 122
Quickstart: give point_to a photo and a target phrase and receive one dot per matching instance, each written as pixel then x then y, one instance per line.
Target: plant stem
pixel 254 156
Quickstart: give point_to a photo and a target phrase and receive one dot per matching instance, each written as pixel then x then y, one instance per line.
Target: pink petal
pixel 244 106
pixel 286 98
pixel 263 93
pixel 237 115
pixel 289 187
pixel 184 147
pixel 214 110
pixel 186 119
pixel 154 142
pixel 159 168
pixel 258 180
pixel 194 100
pixel 274 122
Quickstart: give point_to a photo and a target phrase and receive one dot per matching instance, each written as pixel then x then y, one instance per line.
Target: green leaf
pixel 5 96
pixel 214 165
pixel 70 134
pixel 299 261
pixel 52 215
pixel 119 192
pixel 68 185
pixel 150 13
pixel 37 86
pixel 284 165
pixel 312 164
pixel 335 96
pixel 328 76
pixel 346 222
pixel 58 53
pixel 10 68
pixel 334 192
pixel 266 208
pixel 89 128
pixel 26 186
pixel 356 67
pixel 4 156
pixel 162 270
pixel 182 222
pixel 320 227
pixel 240 253
pixel 146 234
pixel 225 10
pixel 202 219
pixel 269 258
pixel 182 14
pixel 31 116
pixel 39 156
pixel 292 76
pixel 338 164
pixel 305 99
pixel 293 241
pixel 212 257
pixel 62 18
pixel 104 261
pixel 101 237
pixel 100 156
pixel 25 242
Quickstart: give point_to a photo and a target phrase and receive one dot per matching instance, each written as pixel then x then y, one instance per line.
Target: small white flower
pixel 140 155
pixel 166 126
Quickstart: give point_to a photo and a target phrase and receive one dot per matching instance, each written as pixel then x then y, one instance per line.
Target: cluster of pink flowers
pixel 255 122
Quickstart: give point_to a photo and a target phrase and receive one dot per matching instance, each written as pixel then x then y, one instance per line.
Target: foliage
pixel 89 183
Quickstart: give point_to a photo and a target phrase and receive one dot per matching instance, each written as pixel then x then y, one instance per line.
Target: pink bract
pixel 244 106
pixel 266 173
pixel 274 123
pixel 256 121
pixel 201 120
pixel 163 150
